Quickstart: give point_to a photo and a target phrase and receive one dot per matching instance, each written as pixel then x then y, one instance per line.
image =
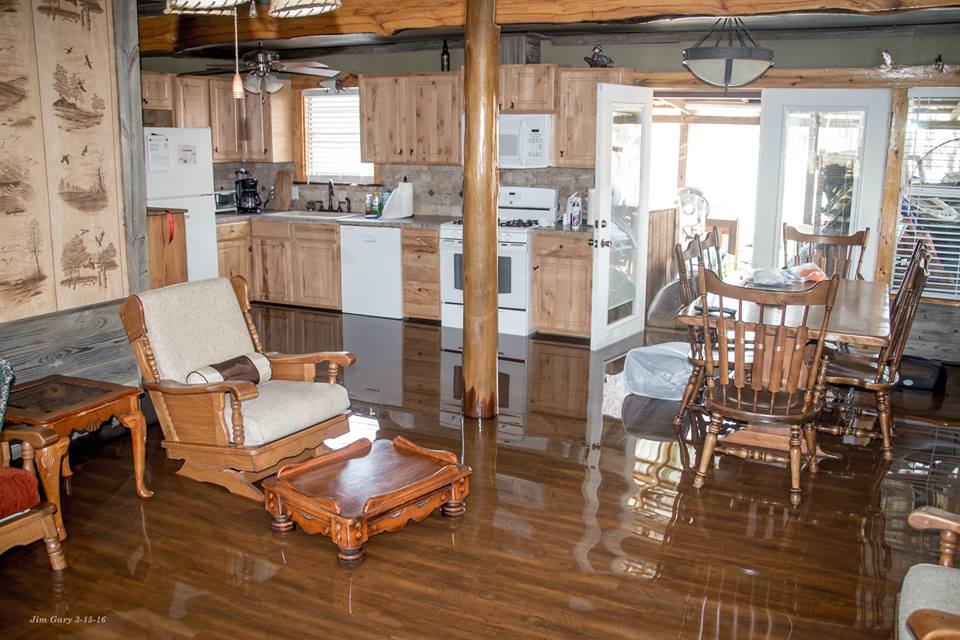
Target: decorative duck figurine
pixel 598 58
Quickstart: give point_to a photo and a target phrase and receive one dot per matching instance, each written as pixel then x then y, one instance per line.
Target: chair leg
pixel 885 417
pixel 51 539
pixel 706 456
pixel 693 385
pixel 810 432
pixel 795 455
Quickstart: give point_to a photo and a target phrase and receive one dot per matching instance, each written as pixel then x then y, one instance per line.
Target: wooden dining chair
pixel 764 369
pixel 842 255
pixel 711 251
pixel 880 374
pixel 688 260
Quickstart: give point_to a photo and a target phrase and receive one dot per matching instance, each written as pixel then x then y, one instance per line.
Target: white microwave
pixel 526 141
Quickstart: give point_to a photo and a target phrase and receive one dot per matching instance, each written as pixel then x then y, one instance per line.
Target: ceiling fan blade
pixel 320 73
pixel 307 63
pixel 213 71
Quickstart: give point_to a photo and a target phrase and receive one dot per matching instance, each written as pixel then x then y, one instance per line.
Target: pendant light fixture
pixel 732 59
pixel 237 80
pixel 207 7
pixel 302 8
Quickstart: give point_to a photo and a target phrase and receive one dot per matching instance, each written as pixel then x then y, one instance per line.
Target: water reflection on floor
pixel 579 524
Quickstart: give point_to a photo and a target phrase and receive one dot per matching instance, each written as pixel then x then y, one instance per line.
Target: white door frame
pixel 775 103
pixel 621 96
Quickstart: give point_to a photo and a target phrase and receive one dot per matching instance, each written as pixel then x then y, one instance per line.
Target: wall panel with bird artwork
pixel 61 138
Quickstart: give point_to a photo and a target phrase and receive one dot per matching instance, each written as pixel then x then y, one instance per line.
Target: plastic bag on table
pixel 808 272
pixel 658 371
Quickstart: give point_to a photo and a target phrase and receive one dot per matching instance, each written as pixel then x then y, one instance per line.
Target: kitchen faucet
pixel 330 196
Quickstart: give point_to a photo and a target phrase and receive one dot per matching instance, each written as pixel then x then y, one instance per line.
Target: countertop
pixel 422 222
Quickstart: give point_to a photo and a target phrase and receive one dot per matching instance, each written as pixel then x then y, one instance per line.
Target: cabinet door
pixel 382 133
pixel 433 118
pixel 225 117
pixel 528 88
pixel 192 102
pixel 421 273
pixel 272 277
pixel 576 132
pixel 562 284
pixel 316 265
pixel 168 250
pixel 156 90
pixel 233 258
pixel 256 127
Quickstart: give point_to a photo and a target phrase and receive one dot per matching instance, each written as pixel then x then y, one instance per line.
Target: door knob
pixel 603 224
pixel 604 243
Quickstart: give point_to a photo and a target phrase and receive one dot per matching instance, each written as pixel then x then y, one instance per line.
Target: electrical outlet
pixel 295 193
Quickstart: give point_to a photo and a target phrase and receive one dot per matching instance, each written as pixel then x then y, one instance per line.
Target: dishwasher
pixel 371 272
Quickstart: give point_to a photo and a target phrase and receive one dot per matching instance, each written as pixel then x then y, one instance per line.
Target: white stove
pixel 518 209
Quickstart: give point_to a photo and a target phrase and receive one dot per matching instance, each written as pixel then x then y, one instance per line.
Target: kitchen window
pixel 333 136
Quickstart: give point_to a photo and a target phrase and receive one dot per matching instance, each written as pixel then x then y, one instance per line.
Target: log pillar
pixel 480 184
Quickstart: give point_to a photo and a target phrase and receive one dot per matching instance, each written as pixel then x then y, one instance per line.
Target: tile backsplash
pixel 437 190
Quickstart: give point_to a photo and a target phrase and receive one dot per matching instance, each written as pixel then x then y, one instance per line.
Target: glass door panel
pixel 623 152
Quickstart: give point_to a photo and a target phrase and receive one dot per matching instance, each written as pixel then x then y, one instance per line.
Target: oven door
pixel 513 266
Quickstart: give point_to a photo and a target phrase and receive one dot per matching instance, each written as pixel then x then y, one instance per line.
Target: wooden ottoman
pixel 364 489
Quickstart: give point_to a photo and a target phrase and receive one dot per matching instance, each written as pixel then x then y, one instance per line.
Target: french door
pixel 622 186
pixel 822 158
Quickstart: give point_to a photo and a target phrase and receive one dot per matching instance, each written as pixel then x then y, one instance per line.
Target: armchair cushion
pixel 928 586
pixel 284 407
pixel 18 491
pixel 193 324
pixel 252 367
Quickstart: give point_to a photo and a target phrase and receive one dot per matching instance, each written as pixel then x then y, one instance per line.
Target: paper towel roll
pixel 400 202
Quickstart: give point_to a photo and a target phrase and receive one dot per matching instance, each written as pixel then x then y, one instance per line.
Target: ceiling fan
pixel 261 66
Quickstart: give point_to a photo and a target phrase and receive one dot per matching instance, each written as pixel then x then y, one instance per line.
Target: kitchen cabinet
pixel 191 106
pixel 421 273
pixel 528 88
pixel 316 265
pixel 225 126
pixel 272 261
pixel 168 247
pixel 156 90
pixel 410 118
pixel 258 128
pixel 576 130
pixel 561 284
pixel 233 250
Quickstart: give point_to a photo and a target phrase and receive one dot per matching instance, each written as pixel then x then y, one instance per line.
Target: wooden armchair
pixel 230 433
pixel 836 255
pixel 23 518
pixel 929 606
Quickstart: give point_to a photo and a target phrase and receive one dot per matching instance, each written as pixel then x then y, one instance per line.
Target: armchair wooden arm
pixel 930 624
pixel 239 390
pixel 304 366
pixel 948 524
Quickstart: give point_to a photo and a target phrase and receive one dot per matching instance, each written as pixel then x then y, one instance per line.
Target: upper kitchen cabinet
pixel 156 90
pixel 225 123
pixel 267 126
pixel 191 102
pixel 382 132
pixel 433 118
pixel 410 118
pixel 528 88
pixel 576 131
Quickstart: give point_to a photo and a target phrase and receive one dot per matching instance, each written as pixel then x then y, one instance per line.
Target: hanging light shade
pixel 302 8
pixel 252 82
pixel 207 7
pixel 728 56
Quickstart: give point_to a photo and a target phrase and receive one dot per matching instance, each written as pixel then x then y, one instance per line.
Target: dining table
pixel 860 317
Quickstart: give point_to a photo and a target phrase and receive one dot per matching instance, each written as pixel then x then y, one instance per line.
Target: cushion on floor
pixel 18 491
pixel 928 586
pixel 284 407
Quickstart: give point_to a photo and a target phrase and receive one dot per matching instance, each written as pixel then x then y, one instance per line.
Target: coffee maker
pixel 248 196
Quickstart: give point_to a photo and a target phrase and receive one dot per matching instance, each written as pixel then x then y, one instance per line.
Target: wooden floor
pixel 577 526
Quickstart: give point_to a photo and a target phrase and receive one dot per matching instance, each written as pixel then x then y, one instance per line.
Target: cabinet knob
pixel 411 151
pixel 511 105
pixel 561 152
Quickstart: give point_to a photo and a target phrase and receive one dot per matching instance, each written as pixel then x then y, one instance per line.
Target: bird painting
pixel 86 148
pixel 65 159
pixel 598 59
pixel 68 50
pixel 86 61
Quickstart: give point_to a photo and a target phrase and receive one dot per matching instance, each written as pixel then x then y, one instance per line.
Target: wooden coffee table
pixel 68 404
pixel 364 489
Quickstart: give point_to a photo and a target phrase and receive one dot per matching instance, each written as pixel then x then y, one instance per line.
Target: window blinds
pixel 333 135
pixel 930 190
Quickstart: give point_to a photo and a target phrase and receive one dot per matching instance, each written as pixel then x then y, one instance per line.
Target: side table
pixel 67 404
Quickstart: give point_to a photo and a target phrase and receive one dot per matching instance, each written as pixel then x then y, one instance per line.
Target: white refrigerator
pixel 180 176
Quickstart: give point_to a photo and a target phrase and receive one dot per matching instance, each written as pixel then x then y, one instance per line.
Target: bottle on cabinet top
pixel 445 58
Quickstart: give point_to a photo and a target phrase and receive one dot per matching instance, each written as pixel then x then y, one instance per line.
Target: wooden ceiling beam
pixel 171 34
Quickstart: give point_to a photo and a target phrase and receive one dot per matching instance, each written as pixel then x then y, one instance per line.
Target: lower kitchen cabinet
pixel 166 240
pixel 421 273
pixel 316 265
pixel 562 284
pixel 272 261
pixel 233 250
